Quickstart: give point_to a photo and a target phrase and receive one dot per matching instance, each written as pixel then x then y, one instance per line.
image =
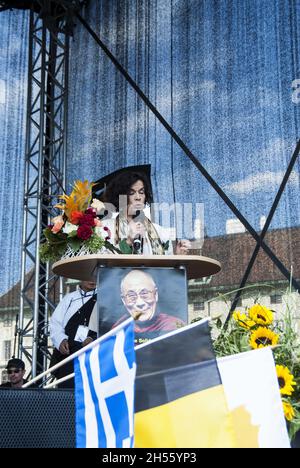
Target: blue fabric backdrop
pixel 13 94
pixel 219 71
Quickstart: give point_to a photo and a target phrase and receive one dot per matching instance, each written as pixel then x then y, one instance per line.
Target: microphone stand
pixel 15 335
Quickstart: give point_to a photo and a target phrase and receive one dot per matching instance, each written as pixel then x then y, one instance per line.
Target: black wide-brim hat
pixel 101 184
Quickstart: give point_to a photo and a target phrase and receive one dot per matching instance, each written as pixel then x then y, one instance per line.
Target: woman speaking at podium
pixel 132 230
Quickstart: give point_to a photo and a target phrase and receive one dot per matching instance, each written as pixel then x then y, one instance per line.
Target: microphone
pixel 138 241
pixel 137 244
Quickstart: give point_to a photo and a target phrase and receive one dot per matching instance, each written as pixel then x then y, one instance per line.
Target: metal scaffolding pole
pixel 45 171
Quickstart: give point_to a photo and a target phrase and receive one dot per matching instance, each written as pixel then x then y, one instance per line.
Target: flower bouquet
pixel 257 328
pixel 78 230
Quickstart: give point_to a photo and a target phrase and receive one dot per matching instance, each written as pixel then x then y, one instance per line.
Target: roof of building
pixel 234 252
pixel 11 299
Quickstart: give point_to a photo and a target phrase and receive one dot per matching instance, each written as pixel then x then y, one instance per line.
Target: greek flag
pixel 104 390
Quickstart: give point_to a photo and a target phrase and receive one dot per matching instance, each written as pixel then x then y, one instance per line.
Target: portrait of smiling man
pixel 155 298
pixel 139 294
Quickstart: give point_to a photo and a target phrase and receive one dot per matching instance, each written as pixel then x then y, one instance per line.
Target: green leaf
pixel 72 234
pixel 75 244
pixel 55 238
pixel 124 247
pixel 219 323
pixel 50 252
pixel 112 248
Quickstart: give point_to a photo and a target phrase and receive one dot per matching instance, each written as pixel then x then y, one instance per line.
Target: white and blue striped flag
pixel 104 390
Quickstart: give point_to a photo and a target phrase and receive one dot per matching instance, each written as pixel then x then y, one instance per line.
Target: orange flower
pixel 75 217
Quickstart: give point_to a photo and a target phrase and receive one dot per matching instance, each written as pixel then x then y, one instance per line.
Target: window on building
pixel 276 299
pixel 4 376
pixel 198 306
pixel 7 350
pixel 7 322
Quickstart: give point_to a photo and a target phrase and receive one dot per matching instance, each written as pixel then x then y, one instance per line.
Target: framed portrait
pixel 156 298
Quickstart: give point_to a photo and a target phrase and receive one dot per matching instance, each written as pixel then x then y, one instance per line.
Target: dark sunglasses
pixel 13 371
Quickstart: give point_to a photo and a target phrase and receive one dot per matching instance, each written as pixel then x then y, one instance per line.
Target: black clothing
pixel 81 317
pixel 9 385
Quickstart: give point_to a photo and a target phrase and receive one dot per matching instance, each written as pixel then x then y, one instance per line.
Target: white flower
pixel 98 205
pixel 69 227
pixel 100 232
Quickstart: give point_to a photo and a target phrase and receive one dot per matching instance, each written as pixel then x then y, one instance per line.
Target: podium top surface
pixel 84 267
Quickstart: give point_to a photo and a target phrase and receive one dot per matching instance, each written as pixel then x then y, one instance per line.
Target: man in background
pixel 16 371
pixel 69 327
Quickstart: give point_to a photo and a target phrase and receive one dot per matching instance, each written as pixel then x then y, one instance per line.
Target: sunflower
pixel 285 380
pixel 289 412
pixel 263 337
pixel 261 315
pixel 243 320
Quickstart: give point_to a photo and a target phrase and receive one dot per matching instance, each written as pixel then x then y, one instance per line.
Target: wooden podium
pixel 85 267
pixel 155 276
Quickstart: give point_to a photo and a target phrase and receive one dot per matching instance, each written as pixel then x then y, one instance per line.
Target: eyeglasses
pixel 132 297
pixel 13 371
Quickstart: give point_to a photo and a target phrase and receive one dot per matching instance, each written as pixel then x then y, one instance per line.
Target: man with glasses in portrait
pixel 15 371
pixel 139 295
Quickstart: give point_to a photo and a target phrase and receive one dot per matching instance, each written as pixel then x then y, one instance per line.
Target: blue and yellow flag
pixel 179 397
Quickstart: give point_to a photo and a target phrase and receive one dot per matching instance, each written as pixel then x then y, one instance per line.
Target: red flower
pixel 76 217
pixel 87 219
pixel 91 211
pixel 84 232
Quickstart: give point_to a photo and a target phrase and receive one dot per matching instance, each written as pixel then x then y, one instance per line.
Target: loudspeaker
pixel 37 418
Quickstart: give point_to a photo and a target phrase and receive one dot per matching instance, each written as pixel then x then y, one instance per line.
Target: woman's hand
pixel 182 247
pixel 135 229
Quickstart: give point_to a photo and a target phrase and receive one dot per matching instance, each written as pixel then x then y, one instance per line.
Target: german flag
pixel 179 399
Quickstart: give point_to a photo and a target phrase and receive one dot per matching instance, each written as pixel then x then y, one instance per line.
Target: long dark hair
pixel 122 184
